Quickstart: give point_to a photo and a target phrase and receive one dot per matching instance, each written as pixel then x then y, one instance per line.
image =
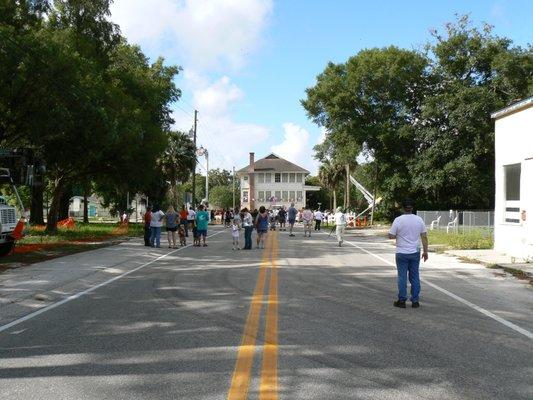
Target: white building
pixel 513 216
pixel 273 182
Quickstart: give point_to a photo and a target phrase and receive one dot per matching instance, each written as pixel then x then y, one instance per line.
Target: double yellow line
pixel 240 383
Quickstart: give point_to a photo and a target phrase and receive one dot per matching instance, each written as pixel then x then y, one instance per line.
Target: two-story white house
pixel 273 182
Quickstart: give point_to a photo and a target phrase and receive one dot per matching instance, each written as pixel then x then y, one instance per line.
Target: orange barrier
pixel 68 223
pixel 18 232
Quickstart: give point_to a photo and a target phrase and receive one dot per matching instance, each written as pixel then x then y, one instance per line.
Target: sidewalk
pixel 493 258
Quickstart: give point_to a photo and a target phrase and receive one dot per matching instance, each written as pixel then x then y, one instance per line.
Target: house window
pixel 277 178
pixel 245 178
pixel 268 178
pixel 299 178
pixel 292 178
pixel 299 196
pixel 285 178
pixel 245 196
pixel 268 194
pixel 512 193
pixel 512 182
pixel 261 178
pixel 285 196
pixel 261 195
pixel 278 195
pixel 291 196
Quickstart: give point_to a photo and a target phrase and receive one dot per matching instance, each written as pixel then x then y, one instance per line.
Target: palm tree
pixel 177 162
pixel 330 175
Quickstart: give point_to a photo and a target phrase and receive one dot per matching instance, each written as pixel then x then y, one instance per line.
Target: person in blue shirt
pixel 202 220
pixel 261 224
pixel 292 212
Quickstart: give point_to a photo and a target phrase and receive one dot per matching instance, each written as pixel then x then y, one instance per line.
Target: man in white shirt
pixel 340 225
pixel 408 229
pixel 191 215
pixel 318 219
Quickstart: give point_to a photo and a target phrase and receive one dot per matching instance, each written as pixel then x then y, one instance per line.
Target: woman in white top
pixel 156 222
pixel 248 225
pixel 340 223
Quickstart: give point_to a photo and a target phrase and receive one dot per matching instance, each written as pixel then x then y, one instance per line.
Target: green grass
pixel 468 240
pixel 81 232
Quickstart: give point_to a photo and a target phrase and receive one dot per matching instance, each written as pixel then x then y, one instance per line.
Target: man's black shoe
pixel 415 304
pixel 399 303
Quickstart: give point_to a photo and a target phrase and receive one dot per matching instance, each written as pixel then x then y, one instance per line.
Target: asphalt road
pixel 302 319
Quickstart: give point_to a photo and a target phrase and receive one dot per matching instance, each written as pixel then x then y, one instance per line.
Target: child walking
pixel 182 234
pixel 235 235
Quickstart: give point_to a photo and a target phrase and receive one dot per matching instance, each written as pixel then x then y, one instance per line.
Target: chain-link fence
pixel 457 221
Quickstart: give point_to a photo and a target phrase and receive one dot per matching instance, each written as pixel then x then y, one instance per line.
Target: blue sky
pixel 247 63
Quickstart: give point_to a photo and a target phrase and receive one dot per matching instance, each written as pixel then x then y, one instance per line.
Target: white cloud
pixel 208 38
pixel 296 146
pixel 205 34
pixel 227 140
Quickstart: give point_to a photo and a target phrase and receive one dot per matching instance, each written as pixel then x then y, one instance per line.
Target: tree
pixel 370 104
pixel 475 73
pixel 221 197
pixel 330 175
pixel 177 162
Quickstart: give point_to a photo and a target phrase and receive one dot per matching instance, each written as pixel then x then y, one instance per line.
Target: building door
pixel 528 198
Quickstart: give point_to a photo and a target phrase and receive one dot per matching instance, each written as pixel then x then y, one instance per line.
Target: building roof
pixel 513 108
pixel 274 163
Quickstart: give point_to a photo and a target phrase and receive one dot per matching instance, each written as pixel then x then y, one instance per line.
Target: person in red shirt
pixel 147 220
pixel 183 220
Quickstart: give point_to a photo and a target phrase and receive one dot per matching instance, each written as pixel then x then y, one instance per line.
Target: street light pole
pixel 194 168
pixel 233 187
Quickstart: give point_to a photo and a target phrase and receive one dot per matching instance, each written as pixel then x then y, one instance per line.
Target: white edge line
pixel 489 314
pixel 87 291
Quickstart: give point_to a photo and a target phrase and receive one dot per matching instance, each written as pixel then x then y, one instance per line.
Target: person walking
pixel 227 218
pixel 171 223
pixel 261 223
pixel 340 225
pixel 147 230
pixel 292 212
pixel 408 229
pixel 184 221
pixel 248 225
pixel 156 222
pixel 202 220
pixel 318 219
pixel 282 218
pixel 307 219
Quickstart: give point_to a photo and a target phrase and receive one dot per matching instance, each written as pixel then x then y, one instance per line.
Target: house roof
pixel 274 163
pixel 513 108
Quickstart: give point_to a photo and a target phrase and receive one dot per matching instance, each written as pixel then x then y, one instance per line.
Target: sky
pixel 246 63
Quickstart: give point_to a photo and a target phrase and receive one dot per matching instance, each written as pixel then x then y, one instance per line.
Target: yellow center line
pixel 268 388
pixel 240 381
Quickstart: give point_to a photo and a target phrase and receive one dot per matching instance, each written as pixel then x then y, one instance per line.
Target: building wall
pixel 273 187
pixel 514 145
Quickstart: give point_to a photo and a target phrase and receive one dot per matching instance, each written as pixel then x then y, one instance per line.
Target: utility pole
pixel 194 169
pixel 233 186
pixel 347 186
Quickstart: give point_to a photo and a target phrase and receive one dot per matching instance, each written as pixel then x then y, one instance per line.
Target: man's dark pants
pixel 147 233
pixel 248 237
pixel 317 224
pixel 408 264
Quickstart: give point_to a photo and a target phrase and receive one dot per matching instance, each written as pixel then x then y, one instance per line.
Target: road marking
pixel 87 291
pixel 467 303
pixel 240 381
pixel 268 388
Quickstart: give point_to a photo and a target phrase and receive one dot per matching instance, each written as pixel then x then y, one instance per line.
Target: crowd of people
pixel 178 224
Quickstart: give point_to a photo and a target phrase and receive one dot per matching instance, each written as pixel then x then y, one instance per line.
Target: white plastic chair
pixel 434 223
pixel 452 224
